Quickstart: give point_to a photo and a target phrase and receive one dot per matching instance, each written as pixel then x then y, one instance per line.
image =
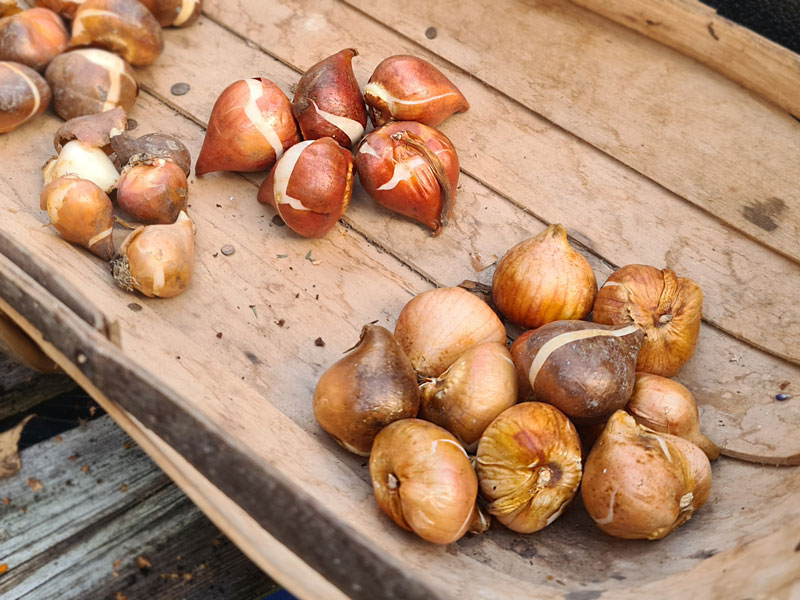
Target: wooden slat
pixel 21 388
pixel 612 210
pixel 696 30
pixel 667 116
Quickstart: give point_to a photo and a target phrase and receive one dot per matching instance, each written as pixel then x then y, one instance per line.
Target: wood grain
pixel 665 115
pixel 696 30
pixel 21 388
pixel 609 208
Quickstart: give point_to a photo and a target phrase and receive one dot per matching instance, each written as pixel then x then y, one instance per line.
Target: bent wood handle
pixel 696 30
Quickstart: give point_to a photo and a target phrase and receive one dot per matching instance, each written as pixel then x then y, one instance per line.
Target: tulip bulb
pixel 175 13
pixel 667 307
pixel 153 192
pixel 328 102
pixel 543 279
pixel 410 169
pixel 439 325
pixel 586 370
pixel 33 37
pixel 63 8
pixel 8 8
pixel 310 186
pixel 638 484
pixel 81 212
pixel 89 81
pixel 371 387
pixel 529 466
pixel 665 406
pixel 407 88
pixel 129 150
pixel 24 95
pixel 94 130
pixel 423 480
pixel 125 27
pixel 523 357
pixel 250 127
pixel 157 260
pixel 85 162
pixel 468 396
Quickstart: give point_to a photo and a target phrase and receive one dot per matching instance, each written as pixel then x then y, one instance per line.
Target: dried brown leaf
pixel 142 562
pixel 35 484
pixel 10 461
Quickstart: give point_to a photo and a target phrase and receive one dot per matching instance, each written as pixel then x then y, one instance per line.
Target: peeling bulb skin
pixel 328 102
pixel 371 387
pixel 410 169
pixel 32 37
pixel 124 27
pixel 64 8
pixel 175 13
pixel 154 192
pixel 82 213
pixel 93 130
pixel 523 357
pixel 437 326
pixel 678 476
pixel 130 150
pixel 310 186
pixel 250 127
pixel 407 88
pixel 24 95
pixel 423 480
pixel 85 162
pixel 529 466
pixel 157 260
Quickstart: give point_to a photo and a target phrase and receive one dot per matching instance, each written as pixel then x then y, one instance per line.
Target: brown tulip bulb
pixel 85 162
pixel 157 260
pixel 468 396
pixel 125 27
pixel 94 130
pixel 638 484
pixel 438 326
pixel 523 357
pixel 410 169
pixel 32 37
pixel 423 480
pixel 63 8
pixel 371 387
pixel 328 102
pixel 153 192
pixel 669 309
pixel 310 186
pixel 407 88
pixel 82 213
pixel 665 406
pixel 543 279
pixel 586 370
pixel 175 13
pixel 529 466
pixel 24 94
pixel 250 127
pixel 128 149
pixel 8 8
pixel 89 81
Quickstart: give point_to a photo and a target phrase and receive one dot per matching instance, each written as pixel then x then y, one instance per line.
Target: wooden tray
pixel 645 155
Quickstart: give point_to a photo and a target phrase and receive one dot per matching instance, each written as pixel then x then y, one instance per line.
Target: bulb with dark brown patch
pixel 153 192
pixel 90 80
pixel 407 88
pixel 328 102
pixel 310 186
pixel 82 213
pixel 175 13
pixel 371 387
pixel 250 127
pixel 410 169
pixel 128 149
pixel 24 95
pixel 125 27
pixel 585 369
pixel 33 37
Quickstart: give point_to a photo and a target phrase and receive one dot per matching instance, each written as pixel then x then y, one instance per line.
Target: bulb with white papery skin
pixel 250 127
pixel 83 161
pixel 310 186
pixel 90 80
pixel 411 169
pixel 81 212
pixel 328 102
pixel 24 94
pixel 157 260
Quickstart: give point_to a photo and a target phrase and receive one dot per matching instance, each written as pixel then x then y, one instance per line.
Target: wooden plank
pixel 612 210
pixel 487 225
pixel 80 535
pixel 21 388
pixel 672 119
pixel 696 30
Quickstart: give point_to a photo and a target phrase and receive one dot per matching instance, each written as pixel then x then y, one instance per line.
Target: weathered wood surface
pixel 696 30
pixel 255 381
pixel 21 388
pixel 86 506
